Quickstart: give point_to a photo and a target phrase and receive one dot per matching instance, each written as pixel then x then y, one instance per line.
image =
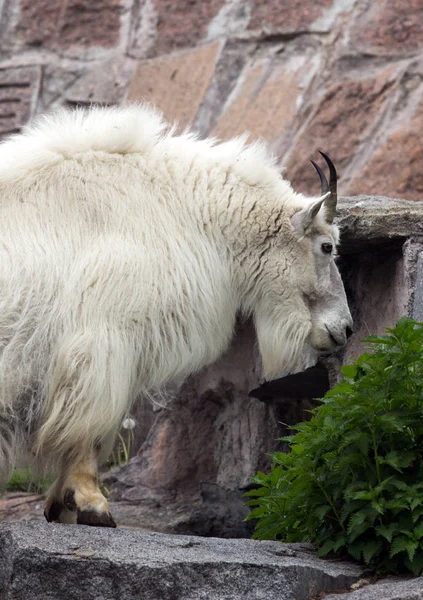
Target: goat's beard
pixel 282 342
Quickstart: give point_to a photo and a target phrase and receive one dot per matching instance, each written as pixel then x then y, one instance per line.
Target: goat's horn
pixel 330 202
pixel 322 177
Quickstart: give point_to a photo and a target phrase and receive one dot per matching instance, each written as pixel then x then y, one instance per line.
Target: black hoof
pixel 95 519
pixel 53 513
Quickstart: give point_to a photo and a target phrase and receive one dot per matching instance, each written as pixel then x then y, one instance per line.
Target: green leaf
pixel 355 550
pixel 378 507
pixel 321 511
pixel 326 548
pixel 411 548
pixel 354 533
pixel 415 502
pixel 400 485
pixel 398 545
pixel 340 543
pixel 369 549
pixel 349 371
pixel 415 565
pixel 387 531
pixel 392 459
pixel 418 530
pixel 259 492
pixel 356 520
pixel 364 495
pixel 257 513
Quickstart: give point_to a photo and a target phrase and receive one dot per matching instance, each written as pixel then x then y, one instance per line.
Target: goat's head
pixel 294 287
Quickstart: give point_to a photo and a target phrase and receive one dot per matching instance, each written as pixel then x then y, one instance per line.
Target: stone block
pixel 265 101
pixel 387 27
pixel 370 221
pixel 57 79
pixel 40 561
pixel 143 29
pixel 37 25
pixel 19 90
pixel 288 16
pixel 182 24
pixel 177 83
pixel 105 83
pixel 231 62
pixel 395 167
pixel 342 120
pixel 57 25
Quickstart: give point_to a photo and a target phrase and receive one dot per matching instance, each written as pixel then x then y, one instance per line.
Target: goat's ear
pixel 303 220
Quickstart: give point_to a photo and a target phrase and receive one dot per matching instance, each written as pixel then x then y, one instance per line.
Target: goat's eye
pixel 327 248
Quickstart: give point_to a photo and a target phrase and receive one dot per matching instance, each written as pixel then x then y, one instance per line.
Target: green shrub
pixel 352 482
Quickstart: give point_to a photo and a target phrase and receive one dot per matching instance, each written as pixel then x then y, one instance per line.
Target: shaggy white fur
pixel 126 252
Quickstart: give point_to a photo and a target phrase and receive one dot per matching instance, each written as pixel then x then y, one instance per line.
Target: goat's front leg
pixel 76 497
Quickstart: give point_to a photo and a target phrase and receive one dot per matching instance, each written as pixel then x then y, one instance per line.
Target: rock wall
pixel 344 76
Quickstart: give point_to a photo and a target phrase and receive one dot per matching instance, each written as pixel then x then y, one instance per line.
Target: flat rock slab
pixel 40 561
pixel 369 220
pixel 387 589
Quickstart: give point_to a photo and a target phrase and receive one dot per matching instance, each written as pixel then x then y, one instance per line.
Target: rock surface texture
pixel 49 562
pixel 389 589
pixel 40 561
pixel 344 76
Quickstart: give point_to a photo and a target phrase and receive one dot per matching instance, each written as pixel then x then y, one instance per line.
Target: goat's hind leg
pixel 76 496
pixel 88 395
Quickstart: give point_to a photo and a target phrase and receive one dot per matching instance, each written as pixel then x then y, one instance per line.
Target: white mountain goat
pixel 126 253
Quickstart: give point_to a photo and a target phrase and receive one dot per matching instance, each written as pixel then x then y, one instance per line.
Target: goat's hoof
pixel 53 512
pixel 94 518
pixel 69 500
pixel 89 511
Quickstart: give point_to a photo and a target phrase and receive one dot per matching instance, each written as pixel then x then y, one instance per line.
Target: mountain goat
pixel 126 253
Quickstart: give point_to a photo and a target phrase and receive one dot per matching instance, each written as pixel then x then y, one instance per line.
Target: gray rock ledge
pixel 386 589
pixel 40 561
pixel 366 221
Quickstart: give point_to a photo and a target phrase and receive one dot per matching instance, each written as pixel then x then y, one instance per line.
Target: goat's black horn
pixel 322 177
pixel 330 202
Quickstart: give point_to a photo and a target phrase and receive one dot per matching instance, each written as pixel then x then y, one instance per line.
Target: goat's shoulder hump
pixel 111 129
pixel 50 138
pixel 125 130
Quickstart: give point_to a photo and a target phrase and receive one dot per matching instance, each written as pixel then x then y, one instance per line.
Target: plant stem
pixel 376 456
pixel 328 498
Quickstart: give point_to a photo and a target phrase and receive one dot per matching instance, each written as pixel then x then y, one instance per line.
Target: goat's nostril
pixel 349 332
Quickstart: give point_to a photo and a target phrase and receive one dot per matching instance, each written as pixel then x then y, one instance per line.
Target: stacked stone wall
pixel 344 76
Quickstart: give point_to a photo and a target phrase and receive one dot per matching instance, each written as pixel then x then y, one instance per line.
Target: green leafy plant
pixel 352 482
